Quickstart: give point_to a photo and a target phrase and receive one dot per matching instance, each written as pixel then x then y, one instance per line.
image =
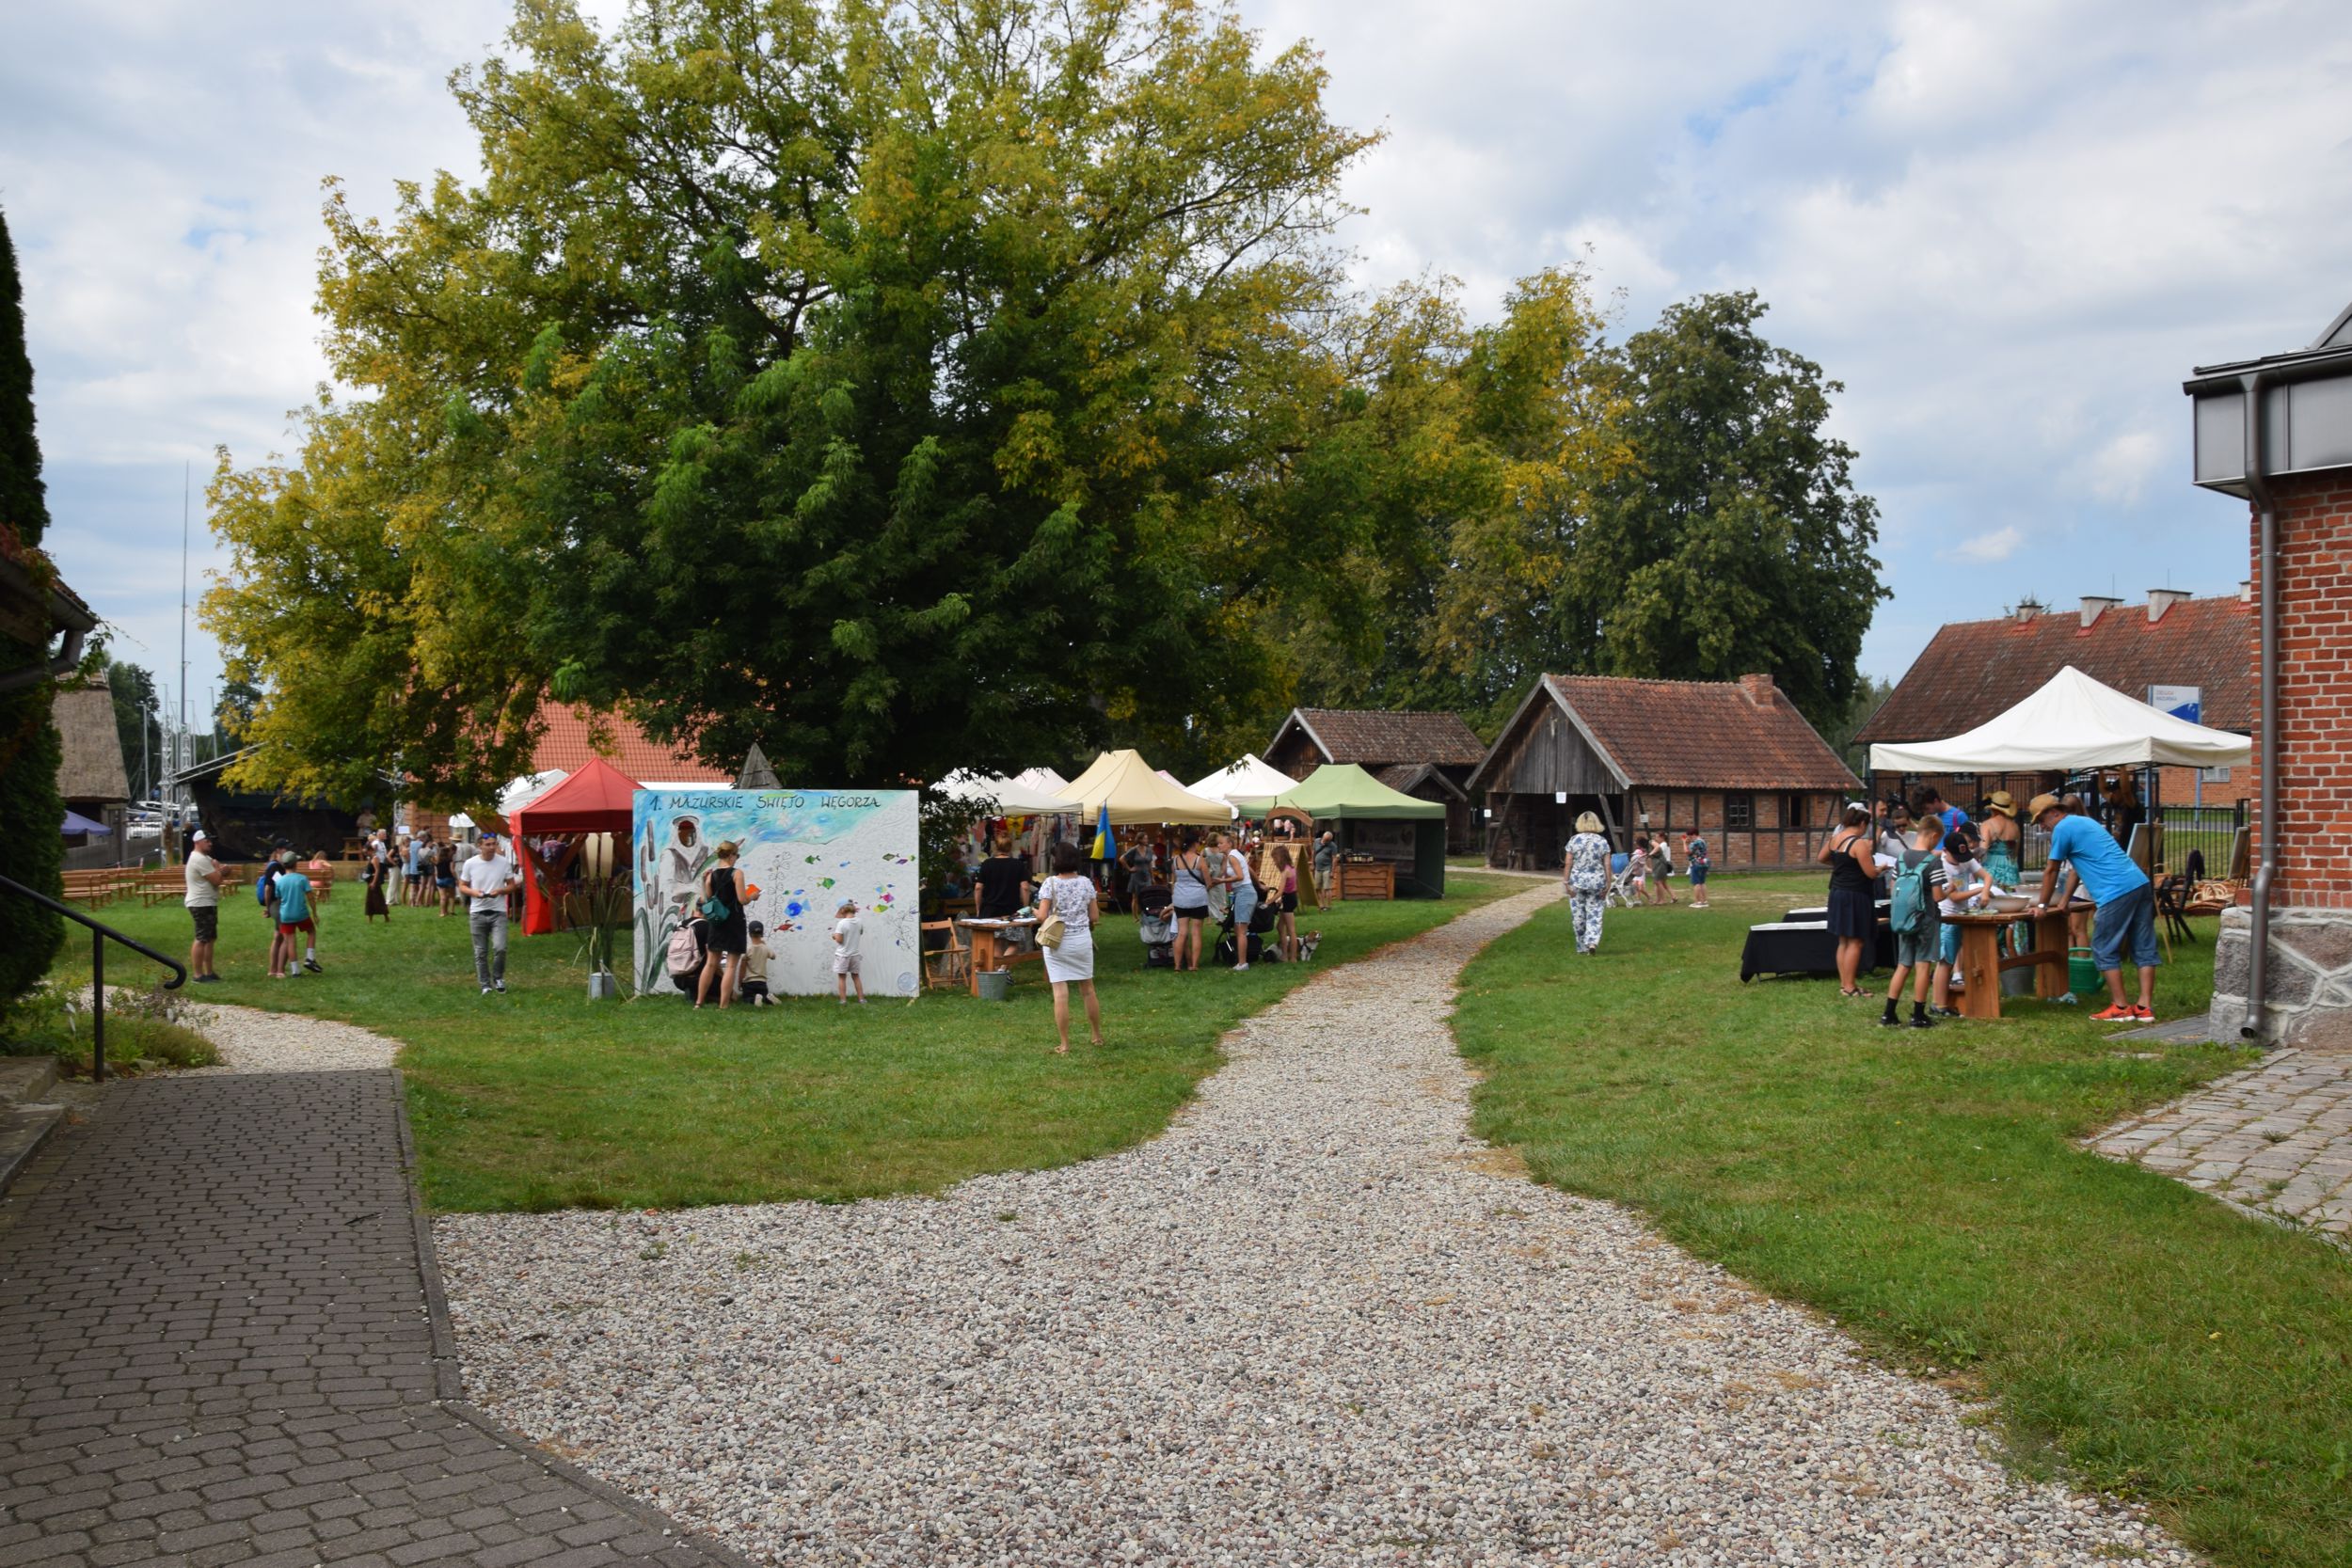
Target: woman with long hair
pixel 1286 923
pixel 1851 856
pixel 1071 895
pixel 729 934
pixel 1190 900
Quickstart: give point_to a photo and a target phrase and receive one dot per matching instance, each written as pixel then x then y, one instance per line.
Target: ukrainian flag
pixel 1106 846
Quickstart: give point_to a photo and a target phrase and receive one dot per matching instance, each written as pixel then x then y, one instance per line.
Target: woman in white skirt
pixel 1071 894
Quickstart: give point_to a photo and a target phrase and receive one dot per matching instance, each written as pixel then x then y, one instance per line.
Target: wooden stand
pixel 1364 879
pixel 1980 962
pixel 991 951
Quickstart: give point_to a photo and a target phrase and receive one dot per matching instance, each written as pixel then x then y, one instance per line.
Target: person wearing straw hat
pixel 2126 903
pixel 1584 876
pixel 2000 837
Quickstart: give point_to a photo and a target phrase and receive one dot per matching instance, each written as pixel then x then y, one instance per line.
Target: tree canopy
pixel 906 386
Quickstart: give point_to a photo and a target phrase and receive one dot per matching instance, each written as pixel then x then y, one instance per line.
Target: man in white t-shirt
pixel 849 936
pixel 485 881
pixel 203 874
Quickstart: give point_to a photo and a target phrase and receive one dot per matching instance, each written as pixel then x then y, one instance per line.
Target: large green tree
pixel 887 382
pixel 29 804
pixel 1734 541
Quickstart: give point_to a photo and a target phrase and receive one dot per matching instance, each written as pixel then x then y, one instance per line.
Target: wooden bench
pixel 98 887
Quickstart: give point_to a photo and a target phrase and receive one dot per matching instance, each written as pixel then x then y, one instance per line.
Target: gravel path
pixel 1314 1322
pixel 251 1040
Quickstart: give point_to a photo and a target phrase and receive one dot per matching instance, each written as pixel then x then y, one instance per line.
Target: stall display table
pixel 1365 879
pixel 1980 961
pixel 992 947
pixel 1803 947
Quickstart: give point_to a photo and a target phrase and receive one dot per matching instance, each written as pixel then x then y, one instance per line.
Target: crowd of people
pixel 1929 862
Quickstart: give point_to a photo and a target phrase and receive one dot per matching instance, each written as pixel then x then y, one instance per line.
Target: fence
pixel 2212 830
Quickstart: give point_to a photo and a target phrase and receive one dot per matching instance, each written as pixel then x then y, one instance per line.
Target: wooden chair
pixel 949 963
pixel 2172 910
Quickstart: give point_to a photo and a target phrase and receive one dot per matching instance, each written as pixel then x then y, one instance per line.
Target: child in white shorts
pixel 848 933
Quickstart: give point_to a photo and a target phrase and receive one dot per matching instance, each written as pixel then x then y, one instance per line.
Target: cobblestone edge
pixel 448 1385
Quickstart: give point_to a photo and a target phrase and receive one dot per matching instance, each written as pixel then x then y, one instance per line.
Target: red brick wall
pixel 2314 689
pixel 1764 847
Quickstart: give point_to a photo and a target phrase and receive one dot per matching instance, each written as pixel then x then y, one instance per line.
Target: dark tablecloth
pixel 1805 947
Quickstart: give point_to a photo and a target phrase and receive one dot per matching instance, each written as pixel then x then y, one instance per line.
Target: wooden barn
pixel 1733 758
pixel 1429 756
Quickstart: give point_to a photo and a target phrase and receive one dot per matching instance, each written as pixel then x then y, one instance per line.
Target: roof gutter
pixel 2266 742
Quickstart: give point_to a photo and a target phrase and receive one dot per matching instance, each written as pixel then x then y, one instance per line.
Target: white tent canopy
pixel 2073 721
pixel 520 792
pixel 1012 797
pixel 1252 778
pixel 1044 780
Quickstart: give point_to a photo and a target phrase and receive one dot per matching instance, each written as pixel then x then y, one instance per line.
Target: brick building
pixel 1429 756
pixel 2276 432
pixel 1734 758
pixel 574 734
pixel 1973 671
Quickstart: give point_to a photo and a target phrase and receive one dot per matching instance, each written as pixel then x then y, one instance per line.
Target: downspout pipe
pixel 2266 874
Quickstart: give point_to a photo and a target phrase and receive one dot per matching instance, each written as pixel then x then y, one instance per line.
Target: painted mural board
pixel 804 850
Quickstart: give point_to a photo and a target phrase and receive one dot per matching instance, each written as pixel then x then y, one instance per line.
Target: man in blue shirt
pixel 2127 905
pixel 1930 803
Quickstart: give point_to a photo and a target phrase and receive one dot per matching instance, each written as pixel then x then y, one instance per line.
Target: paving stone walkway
pixel 2275 1140
pixel 220 1343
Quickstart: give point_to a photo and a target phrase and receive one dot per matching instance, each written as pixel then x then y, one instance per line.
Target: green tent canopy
pixel 1344 795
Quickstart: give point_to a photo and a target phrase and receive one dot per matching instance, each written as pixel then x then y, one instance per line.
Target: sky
pixel 2009 229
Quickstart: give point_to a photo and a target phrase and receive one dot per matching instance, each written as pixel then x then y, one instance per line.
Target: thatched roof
pixel 91 766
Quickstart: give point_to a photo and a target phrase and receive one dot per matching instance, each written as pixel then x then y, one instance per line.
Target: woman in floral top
pixel 1585 875
pixel 1071 894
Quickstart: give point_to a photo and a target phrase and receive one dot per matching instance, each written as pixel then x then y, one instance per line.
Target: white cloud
pixel 1986 548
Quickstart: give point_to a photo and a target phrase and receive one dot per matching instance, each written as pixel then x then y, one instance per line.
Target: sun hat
pixel 2041 803
pixel 1587 823
pixel 2002 802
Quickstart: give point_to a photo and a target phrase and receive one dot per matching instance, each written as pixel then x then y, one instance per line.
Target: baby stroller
pixel 1156 929
pixel 1625 888
pixel 1261 925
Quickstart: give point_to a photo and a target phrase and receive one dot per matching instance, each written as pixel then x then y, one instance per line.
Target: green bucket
pixel 2082 976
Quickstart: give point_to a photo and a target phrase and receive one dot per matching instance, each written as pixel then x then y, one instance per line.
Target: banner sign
pixel 802 852
pixel 2181 702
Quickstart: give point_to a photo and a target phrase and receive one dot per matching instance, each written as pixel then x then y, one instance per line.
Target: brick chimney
pixel 2162 599
pixel 2094 606
pixel 2245 590
pixel 1759 688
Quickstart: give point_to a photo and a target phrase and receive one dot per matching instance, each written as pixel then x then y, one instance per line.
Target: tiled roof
pixel 1404 777
pixel 1370 738
pixel 1974 670
pixel 566 746
pixel 1703 735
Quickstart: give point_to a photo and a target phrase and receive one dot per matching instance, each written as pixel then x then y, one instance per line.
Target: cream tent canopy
pixel 1251 778
pixel 2073 721
pixel 1012 797
pixel 1139 797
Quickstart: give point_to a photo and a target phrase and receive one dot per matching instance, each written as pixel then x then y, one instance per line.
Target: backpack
pixel 683 954
pixel 262 883
pixel 1907 915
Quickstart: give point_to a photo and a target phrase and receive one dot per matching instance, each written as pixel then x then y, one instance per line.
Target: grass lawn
pixel 1925 1189
pixel 541 1098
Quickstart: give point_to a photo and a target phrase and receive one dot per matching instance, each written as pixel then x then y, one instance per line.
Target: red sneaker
pixel 2145 1015
pixel 2115 1015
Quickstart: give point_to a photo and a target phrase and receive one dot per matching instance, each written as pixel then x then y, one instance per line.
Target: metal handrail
pixel 100 931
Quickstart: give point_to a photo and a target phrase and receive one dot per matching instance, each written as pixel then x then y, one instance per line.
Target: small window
pixel 1792 811
pixel 1738 813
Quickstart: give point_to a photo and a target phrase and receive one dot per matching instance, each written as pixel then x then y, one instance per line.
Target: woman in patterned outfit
pixel 1585 875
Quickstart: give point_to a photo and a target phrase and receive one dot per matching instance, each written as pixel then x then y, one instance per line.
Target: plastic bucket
pixel 2082 976
pixel 2018 981
pixel 996 984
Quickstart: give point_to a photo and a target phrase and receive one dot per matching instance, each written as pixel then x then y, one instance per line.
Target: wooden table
pixel 990 948
pixel 1980 961
pixel 1365 879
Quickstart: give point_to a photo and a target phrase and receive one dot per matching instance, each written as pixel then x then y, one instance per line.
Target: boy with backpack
pixel 1966 887
pixel 1919 934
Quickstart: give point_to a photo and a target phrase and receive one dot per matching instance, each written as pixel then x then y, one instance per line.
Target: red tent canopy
pixel 595 800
